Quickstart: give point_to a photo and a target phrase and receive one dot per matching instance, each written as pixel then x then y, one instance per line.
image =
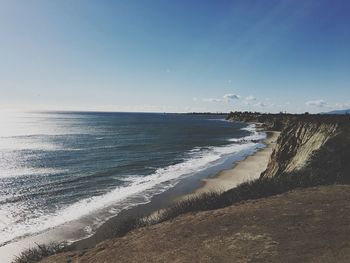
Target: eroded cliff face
pixel 296 146
pixel 317 146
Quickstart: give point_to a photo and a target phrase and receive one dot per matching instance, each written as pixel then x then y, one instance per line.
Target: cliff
pixel 317 146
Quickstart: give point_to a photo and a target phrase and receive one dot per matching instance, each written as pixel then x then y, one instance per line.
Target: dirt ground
pixel 308 225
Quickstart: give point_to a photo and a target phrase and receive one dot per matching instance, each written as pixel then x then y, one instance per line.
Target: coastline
pixel 263 203
pixel 248 169
pixel 228 178
pixel 253 165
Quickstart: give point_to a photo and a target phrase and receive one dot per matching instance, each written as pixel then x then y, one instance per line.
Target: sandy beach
pixel 245 170
pixel 248 169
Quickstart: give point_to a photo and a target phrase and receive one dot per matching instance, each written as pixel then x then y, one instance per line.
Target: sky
pixel 175 56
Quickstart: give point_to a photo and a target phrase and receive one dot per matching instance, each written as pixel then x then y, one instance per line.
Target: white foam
pixel 250 128
pixel 144 186
pixel 254 136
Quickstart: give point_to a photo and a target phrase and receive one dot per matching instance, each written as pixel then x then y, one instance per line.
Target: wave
pixel 140 188
pixel 255 136
pixel 250 128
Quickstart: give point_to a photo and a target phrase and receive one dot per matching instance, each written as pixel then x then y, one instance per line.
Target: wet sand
pixel 245 170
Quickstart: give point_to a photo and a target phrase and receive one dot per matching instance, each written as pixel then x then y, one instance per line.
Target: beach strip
pixel 246 170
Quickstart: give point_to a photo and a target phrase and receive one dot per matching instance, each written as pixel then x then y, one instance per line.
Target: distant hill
pixel 338 112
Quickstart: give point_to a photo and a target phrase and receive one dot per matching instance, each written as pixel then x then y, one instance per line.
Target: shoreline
pixel 248 169
pixel 223 179
pixel 226 179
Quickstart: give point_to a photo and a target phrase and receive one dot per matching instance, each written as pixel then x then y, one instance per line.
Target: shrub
pixel 259 188
pixel 39 252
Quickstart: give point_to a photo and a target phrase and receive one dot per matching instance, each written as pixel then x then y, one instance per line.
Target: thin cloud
pixel 250 98
pixel 345 105
pixel 225 98
pixel 212 100
pixel 230 96
pixel 263 104
pixel 317 103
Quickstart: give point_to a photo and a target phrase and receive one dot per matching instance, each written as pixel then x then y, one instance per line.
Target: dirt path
pixel 310 225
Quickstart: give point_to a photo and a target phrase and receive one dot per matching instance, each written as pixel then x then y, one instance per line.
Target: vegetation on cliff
pixel 39 252
pixel 316 146
pixel 279 121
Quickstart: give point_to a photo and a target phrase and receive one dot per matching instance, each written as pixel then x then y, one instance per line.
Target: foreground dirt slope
pixel 309 225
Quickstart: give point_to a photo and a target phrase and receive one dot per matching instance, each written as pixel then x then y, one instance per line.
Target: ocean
pixel 58 167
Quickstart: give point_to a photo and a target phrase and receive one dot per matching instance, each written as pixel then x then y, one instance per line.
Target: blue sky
pixel 175 56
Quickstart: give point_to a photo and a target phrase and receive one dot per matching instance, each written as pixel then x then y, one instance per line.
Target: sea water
pixel 56 167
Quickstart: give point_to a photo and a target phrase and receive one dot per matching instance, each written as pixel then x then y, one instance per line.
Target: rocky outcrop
pixel 296 145
pixel 314 145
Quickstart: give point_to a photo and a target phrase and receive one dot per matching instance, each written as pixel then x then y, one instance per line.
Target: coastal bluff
pixel 316 145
